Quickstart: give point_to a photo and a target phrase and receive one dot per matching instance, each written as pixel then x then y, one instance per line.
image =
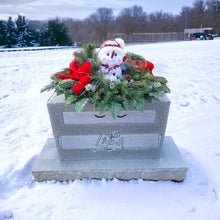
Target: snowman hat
pixel 117 43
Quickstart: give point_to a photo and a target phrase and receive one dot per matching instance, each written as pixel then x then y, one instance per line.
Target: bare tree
pixel 198 13
pixel 132 20
pixel 163 22
pixel 101 23
pixel 77 30
pixel 213 14
pixel 185 17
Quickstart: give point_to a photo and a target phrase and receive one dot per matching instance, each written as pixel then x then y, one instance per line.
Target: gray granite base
pixel 170 166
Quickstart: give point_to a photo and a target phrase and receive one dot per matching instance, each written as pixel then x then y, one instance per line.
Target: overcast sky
pixel 79 9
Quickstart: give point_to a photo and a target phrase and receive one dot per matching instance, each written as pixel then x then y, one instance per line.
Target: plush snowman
pixel 111 55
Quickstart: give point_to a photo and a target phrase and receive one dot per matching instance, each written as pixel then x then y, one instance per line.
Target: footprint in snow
pixel 185 105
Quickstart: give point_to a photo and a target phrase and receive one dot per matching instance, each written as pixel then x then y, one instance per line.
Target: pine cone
pixel 127 77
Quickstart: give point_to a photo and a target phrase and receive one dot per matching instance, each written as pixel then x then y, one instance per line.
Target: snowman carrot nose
pixel 113 52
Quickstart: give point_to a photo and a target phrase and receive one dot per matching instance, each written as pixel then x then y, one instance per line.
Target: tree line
pixel 102 25
pixel 21 34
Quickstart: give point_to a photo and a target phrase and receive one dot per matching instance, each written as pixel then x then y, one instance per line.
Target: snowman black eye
pixel 115 54
pixel 107 54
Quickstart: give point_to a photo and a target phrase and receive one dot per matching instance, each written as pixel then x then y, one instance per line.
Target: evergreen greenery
pixel 10 36
pixel 3 32
pixel 24 34
pixel 56 34
pixel 110 95
pixel 19 34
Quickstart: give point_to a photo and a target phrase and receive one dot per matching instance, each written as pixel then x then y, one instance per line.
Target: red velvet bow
pixel 78 72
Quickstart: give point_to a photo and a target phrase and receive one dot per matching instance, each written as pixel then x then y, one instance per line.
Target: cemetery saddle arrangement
pixel 90 80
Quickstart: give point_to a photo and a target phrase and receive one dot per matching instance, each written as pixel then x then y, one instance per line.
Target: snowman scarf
pixel 110 69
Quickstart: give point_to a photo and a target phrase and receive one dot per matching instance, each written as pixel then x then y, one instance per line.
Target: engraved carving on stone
pixel 110 142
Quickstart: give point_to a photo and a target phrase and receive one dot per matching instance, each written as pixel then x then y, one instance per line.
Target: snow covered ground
pixel 193 72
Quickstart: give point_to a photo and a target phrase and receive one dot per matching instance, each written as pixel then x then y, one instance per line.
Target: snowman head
pixel 111 52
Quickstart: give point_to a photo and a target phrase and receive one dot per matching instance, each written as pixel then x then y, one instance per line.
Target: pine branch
pixel 133 88
pixel 89 51
pixel 48 87
pixel 135 56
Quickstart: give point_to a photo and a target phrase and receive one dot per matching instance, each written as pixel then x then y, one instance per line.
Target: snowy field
pixel 193 72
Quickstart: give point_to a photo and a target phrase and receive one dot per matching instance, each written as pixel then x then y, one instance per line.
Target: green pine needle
pixel 110 95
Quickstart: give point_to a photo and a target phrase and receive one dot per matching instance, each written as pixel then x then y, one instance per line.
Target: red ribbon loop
pixel 78 72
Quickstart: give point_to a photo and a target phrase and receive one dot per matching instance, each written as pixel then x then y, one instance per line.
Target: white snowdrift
pixel 193 72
